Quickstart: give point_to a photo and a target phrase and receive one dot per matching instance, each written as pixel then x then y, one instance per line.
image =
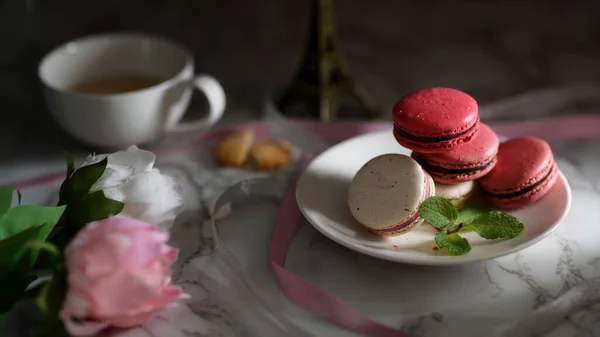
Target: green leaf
pixel 496 225
pixel 52 295
pixel 454 244
pixel 6 193
pixel 439 212
pixel 18 219
pixel 78 185
pixel 12 249
pixel 471 212
pixel 60 238
pixel 70 164
pixel 94 206
pixel 45 246
pixel 16 262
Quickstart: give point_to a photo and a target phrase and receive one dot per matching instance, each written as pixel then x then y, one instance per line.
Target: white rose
pixel 148 195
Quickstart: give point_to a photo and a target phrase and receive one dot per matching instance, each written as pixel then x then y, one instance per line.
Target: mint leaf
pixel 471 212
pixel 496 225
pixel 78 185
pixel 453 243
pixel 6 193
pixel 439 212
pixel 18 219
pixel 94 206
pixel 70 164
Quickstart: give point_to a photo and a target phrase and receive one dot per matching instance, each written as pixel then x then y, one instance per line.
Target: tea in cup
pixel 116 90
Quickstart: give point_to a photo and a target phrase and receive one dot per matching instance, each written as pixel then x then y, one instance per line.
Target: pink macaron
pixel 467 161
pixel 525 171
pixel 435 120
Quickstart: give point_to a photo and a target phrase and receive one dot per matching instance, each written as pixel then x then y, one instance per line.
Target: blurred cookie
pixel 270 155
pixel 234 149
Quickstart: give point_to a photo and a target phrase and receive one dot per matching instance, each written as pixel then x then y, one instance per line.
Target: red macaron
pixel 467 161
pixel 435 119
pixel 525 171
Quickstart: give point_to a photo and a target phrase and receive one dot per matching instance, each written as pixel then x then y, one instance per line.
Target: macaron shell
pixel 418 221
pixel 434 112
pixel 441 146
pixel 453 178
pixel 458 194
pixel 386 191
pixel 481 149
pixel 527 198
pixel 521 162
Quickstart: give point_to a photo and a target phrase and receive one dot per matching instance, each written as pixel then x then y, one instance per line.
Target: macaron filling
pixel 443 170
pixel 415 216
pixel 423 139
pixel 526 189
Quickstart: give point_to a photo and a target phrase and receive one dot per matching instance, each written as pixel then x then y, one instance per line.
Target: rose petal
pixel 137 318
pixel 82 327
pixel 118 275
pixel 172 292
pixel 121 292
pixel 114 193
pixel 153 197
pixel 139 160
pixel 145 249
pixel 149 311
pixel 101 256
pixel 77 303
pixel 125 224
pixel 114 175
pixel 93 159
pixel 169 253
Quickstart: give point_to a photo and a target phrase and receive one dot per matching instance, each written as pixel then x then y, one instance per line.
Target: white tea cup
pixel 117 90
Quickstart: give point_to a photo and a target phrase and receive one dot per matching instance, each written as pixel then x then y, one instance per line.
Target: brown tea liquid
pixel 116 84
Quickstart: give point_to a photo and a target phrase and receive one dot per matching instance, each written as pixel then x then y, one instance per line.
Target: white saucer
pixel 322 192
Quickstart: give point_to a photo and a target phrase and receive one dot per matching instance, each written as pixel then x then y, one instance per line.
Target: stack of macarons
pixel 442 127
pixel 453 153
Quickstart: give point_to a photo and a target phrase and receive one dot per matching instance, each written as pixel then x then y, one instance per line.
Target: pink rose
pixel 118 275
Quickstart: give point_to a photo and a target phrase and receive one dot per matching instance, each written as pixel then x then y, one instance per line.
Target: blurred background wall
pixel 492 49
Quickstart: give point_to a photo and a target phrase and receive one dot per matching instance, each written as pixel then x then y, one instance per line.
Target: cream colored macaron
pixel 386 193
pixel 458 194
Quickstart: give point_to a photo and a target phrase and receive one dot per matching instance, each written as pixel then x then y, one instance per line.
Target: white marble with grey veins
pixel 511 296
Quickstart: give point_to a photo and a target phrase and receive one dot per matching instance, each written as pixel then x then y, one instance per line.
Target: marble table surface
pixel 471 300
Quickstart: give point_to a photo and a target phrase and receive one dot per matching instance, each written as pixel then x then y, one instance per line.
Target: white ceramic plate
pixel 322 192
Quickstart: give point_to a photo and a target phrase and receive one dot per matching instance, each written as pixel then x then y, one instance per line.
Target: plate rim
pixel 355 246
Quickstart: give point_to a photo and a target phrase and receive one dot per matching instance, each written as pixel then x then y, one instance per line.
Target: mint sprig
pixel 439 212
pixel 454 243
pixel 488 223
pixel 496 225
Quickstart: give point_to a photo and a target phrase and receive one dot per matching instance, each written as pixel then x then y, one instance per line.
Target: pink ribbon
pixel 287 222
pixel 305 293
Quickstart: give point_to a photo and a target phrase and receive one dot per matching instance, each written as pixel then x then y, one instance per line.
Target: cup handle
pixel 215 96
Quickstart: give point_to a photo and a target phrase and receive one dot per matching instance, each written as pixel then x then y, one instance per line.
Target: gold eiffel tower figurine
pixel 323 84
